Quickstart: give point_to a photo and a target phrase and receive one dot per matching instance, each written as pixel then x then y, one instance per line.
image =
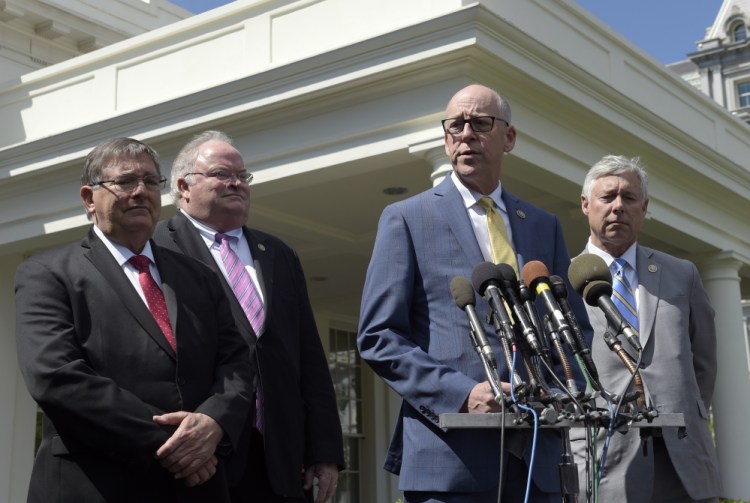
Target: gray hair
pixel 503 106
pixel 615 165
pixel 103 154
pixel 108 151
pixel 185 160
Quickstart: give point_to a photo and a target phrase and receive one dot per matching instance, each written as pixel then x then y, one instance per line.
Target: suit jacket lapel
pixel 168 287
pixel 649 279
pixel 517 219
pixel 452 209
pixel 106 264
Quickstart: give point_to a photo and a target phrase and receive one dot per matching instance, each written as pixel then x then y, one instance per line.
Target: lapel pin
pixel 652 268
pixel 520 214
pixel 261 247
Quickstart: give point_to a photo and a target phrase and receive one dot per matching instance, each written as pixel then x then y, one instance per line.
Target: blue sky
pixel 665 29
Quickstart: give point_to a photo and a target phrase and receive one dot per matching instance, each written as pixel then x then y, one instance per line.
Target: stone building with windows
pixel 336 107
pixel 719 68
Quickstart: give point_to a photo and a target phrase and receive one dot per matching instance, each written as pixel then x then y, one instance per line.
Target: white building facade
pixel 336 107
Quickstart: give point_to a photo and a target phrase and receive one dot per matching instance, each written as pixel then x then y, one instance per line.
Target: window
pixel 739 32
pixel 345 366
pixel 743 94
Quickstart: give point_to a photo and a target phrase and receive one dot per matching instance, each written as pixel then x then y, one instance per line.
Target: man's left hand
pixel 327 475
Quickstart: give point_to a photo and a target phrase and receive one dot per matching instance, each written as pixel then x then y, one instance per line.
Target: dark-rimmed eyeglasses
pixel 129 183
pixel 226 176
pixel 477 124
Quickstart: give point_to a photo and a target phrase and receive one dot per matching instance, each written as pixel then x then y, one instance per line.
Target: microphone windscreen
pixel 587 268
pixel 484 274
pixel 462 292
pixel 595 289
pixel 532 271
pixel 507 272
pixel 559 288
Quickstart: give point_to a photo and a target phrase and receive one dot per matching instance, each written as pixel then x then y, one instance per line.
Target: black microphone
pixel 560 291
pixel 536 275
pixel 588 278
pixel 508 282
pixel 484 279
pixel 527 297
pixel 463 294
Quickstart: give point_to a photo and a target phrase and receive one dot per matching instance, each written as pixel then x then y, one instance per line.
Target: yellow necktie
pixel 502 251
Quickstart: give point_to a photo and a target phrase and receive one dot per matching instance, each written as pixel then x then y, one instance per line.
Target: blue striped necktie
pixel 622 295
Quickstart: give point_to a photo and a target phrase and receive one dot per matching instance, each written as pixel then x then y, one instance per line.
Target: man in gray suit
pixel 677 333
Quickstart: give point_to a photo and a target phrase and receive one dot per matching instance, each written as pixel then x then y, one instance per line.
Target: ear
pixel 183 188
pixel 584 205
pixel 87 196
pixel 510 139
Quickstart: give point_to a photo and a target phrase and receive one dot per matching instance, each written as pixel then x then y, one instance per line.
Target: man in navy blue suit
pixel 415 337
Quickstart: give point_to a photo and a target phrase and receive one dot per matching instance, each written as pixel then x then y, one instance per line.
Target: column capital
pixel 721 265
pixel 433 151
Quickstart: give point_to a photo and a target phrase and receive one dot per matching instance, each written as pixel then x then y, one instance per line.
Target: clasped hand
pixel 190 452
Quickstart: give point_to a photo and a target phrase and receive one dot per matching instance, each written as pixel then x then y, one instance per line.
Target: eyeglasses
pixel 226 176
pixel 477 124
pixel 129 183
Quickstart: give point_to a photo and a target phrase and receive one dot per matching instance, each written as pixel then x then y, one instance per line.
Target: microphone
pixel 590 277
pixel 536 275
pixel 508 282
pixel 463 294
pixel 484 279
pixel 560 291
pixel 527 297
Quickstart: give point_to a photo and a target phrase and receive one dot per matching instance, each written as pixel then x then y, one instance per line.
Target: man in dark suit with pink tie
pixel 295 439
pixel 131 352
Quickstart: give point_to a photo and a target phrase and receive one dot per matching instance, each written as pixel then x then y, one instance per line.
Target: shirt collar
pixel 629 256
pixel 209 234
pixel 470 197
pixel 122 253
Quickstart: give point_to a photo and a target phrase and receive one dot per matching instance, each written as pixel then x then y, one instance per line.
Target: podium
pixel 456 420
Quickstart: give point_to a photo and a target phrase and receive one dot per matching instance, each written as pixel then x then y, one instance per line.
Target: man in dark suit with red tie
pixel 295 437
pixel 131 352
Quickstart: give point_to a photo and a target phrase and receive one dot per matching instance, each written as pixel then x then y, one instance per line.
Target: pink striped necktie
pixel 154 297
pixel 247 295
pixel 242 285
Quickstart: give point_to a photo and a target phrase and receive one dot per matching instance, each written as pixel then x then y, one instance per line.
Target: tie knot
pixel 486 203
pixel 224 238
pixel 141 262
pixel 622 265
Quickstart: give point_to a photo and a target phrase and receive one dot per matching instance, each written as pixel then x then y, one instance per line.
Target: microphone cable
pixel 536 428
pixel 614 414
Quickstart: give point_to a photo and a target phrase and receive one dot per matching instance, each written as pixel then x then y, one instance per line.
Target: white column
pixel 731 406
pixel 433 151
pixel 18 416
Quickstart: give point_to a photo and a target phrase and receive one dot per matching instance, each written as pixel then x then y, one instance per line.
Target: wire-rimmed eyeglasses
pixel 129 183
pixel 226 176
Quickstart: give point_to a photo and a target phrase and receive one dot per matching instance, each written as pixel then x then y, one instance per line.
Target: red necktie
pixel 154 297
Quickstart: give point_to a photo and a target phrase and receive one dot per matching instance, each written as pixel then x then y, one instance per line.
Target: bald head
pixel 477 156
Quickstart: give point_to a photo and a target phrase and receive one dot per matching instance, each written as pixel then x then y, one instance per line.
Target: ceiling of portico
pixel 323 156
